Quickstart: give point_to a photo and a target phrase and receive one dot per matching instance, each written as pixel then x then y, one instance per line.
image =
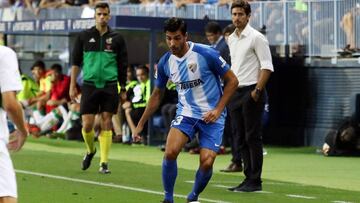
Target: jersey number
pixel 177 120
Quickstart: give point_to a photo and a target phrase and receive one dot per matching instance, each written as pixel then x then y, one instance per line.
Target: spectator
pixel 55 4
pixel 72 117
pixel 183 3
pixel 6 3
pixel 59 93
pixel 214 35
pixel 344 141
pixel 347 24
pixel 42 77
pixel 56 100
pixel 118 118
pixel 227 31
pixel 30 88
pixel 141 94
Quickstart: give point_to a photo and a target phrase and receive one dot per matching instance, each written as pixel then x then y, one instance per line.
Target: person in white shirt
pixel 10 83
pixel 252 64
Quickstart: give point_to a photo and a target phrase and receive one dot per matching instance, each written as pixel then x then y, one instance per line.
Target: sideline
pixel 110 185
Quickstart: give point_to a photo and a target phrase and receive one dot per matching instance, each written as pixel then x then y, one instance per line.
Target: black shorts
pixel 96 100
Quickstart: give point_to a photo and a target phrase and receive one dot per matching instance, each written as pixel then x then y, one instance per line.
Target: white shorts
pixel 7 173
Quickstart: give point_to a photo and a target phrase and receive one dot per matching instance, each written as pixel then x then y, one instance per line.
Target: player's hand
pixel 136 135
pixel 211 116
pixel 73 92
pixel 254 96
pixel 17 140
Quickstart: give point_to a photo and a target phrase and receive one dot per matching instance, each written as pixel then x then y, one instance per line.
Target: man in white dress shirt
pixel 252 64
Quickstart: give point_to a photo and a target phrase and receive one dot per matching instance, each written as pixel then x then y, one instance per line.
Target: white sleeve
pixel 262 50
pixel 10 79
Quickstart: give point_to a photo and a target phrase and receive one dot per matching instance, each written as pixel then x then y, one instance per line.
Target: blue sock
pixel 201 180
pixel 169 173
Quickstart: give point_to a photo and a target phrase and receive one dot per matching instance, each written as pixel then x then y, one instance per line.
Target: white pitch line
pixel 221 186
pixel 339 201
pixel 110 185
pixel 300 196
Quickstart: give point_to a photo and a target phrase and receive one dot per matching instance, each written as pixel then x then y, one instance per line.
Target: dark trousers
pixel 233 139
pixel 168 112
pixel 246 120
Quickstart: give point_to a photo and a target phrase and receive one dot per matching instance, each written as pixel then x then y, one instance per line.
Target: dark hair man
pixel 196 70
pixel 101 52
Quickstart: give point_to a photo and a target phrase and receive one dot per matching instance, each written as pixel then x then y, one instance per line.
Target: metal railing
pixel 314 27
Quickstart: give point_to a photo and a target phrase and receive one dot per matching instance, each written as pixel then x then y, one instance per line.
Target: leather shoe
pixel 239 186
pixel 249 188
pixel 233 167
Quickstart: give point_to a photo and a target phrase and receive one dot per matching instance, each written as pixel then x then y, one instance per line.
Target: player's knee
pixel 107 124
pixel 87 127
pixel 171 154
pixel 206 163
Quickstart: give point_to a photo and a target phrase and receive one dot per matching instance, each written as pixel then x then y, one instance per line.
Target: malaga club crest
pixel 192 67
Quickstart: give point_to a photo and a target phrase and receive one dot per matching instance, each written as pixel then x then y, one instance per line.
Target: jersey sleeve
pixel 216 63
pixel 77 52
pixel 160 76
pixel 10 79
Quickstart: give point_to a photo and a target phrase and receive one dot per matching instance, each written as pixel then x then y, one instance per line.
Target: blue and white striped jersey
pixel 197 78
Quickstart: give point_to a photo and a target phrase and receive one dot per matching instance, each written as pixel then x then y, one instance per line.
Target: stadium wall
pixel 309 99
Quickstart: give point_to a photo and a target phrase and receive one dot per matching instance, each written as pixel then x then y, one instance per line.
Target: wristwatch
pixel 258 91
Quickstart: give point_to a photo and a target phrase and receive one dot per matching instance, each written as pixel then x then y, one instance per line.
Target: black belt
pixel 246 88
pixel 88 82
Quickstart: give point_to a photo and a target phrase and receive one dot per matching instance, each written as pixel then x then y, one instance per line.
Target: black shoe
pixel 239 186
pixel 87 160
pixel 191 201
pixel 249 188
pixel 104 168
pixel 166 201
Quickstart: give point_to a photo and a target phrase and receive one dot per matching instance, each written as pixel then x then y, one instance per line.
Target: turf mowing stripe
pixel 300 196
pixel 110 185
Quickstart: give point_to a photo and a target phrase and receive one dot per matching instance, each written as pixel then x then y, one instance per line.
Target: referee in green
pixel 101 53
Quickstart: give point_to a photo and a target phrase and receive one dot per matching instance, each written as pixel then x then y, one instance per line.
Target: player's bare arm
pixel 231 84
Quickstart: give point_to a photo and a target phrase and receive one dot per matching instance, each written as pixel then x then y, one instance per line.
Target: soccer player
pixel 10 83
pixel 196 70
pixel 102 54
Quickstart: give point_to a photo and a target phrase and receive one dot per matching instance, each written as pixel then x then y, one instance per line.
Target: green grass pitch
pixel 49 171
